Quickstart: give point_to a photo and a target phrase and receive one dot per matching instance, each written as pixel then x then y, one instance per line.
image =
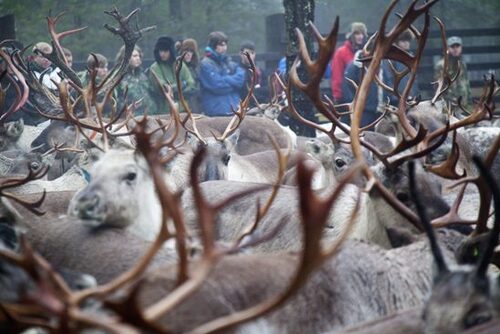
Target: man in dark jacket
pixel 260 91
pixel 220 79
pixel 404 43
pixel 376 95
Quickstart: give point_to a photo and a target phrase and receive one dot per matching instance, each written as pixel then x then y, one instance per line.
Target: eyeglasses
pixel 222 43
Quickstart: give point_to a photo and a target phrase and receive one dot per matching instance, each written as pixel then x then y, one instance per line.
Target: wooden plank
pixel 467 50
pixel 470 67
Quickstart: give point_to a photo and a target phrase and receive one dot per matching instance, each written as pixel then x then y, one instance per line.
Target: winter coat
pixel 85 79
pixel 375 93
pixel 220 82
pixel 166 75
pixel 404 81
pixel 260 92
pixel 139 87
pixel 342 57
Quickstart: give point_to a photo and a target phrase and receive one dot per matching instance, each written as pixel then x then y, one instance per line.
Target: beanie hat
pixel 406 35
pixel 165 43
pixel 249 45
pixel 356 27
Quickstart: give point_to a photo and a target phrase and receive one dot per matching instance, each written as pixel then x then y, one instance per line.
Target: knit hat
pixel 249 45
pixel 356 27
pixel 406 35
pixel 215 38
pixel 165 43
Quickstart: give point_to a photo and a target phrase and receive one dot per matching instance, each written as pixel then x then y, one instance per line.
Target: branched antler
pixel 130 36
pixel 56 56
pixel 22 96
pixel 314 214
pixel 9 183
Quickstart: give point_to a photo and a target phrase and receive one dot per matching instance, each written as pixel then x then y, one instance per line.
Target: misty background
pixel 239 19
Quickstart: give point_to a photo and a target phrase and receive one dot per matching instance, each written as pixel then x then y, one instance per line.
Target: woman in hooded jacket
pixel 192 61
pixel 164 70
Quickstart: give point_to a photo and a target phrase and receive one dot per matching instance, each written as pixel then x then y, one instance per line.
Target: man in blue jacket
pixel 220 79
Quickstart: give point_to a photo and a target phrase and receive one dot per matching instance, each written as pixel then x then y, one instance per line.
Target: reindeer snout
pixel 88 206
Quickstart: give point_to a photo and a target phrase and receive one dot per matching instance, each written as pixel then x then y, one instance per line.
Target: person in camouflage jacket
pixel 138 84
pixel 461 86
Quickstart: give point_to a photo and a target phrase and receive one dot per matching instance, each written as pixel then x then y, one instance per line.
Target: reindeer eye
pixel 402 197
pixel 339 163
pixel 34 165
pixel 225 159
pixel 131 176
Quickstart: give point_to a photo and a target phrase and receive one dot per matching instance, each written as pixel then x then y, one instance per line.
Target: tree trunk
pixel 298 13
pixel 175 10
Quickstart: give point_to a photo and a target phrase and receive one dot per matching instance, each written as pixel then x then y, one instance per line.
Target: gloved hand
pixel 356 61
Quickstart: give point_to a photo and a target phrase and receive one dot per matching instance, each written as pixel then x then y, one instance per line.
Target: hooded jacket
pixel 221 81
pixel 165 72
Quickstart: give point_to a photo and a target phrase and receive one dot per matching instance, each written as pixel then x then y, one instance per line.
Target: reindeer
pixel 10 133
pixel 357 276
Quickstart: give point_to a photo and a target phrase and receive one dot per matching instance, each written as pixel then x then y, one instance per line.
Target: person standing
pixel 355 39
pixel 404 43
pixel 164 69
pixel 43 67
pixel 375 97
pixel 220 78
pixel 189 46
pixel 260 92
pixel 461 86
pixel 136 83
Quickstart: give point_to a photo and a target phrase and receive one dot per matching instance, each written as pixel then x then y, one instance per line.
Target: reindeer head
pixel 119 191
pixel 321 150
pixel 10 133
pixel 18 163
pixel 465 296
pixel 217 157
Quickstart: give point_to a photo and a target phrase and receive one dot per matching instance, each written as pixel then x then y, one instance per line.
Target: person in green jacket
pixel 164 68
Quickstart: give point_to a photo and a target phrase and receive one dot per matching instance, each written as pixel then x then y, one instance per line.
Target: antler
pixel 22 96
pixel 8 183
pixel 445 82
pixel 194 131
pixel 56 56
pixel 239 114
pixel 130 36
pixel 314 213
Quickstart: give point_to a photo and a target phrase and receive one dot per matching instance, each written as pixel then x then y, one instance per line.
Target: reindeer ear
pixel 233 139
pixel 312 146
pixel 192 141
pixel 14 129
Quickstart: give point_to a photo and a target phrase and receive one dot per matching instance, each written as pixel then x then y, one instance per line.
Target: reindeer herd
pixel 183 223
